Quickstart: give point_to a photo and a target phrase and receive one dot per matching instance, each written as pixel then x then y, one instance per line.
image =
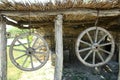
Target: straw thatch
pixel 66 4
pixel 75 12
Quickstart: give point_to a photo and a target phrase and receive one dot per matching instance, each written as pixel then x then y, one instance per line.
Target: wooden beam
pixel 59 47
pixel 12 23
pixel 3 52
pixel 36 22
pixel 119 50
pixel 74 22
pixel 17 24
pixel 111 12
pixel 119 60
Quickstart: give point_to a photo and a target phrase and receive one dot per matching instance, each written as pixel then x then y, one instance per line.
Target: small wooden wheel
pixel 95 46
pixel 29 52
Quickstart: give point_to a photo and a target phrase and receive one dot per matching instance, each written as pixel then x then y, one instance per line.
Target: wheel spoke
pixel 94 57
pixel 35 42
pixel 102 39
pixel 87 55
pixel 39 47
pixel 40 52
pixel 105 51
pixel 105 44
pixel 31 62
pixel 22 44
pixel 19 50
pixel 85 42
pixel 85 49
pixel 37 58
pixel 96 35
pixel 100 56
pixel 20 56
pixel 28 41
pixel 90 38
pixel 25 61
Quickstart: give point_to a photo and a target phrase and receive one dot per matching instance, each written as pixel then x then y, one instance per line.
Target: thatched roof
pixel 75 12
pixel 66 4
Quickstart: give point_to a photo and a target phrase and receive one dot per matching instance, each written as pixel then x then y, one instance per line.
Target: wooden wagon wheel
pixel 29 52
pixel 92 44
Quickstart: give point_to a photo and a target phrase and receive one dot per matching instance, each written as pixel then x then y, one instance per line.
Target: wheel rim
pixel 30 55
pixel 94 52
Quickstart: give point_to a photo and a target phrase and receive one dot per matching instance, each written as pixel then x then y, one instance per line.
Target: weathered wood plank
pixel 111 12
pixel 59 48
pixel 119 60
pixel 3 53
pixel 119 63
pixel 119 50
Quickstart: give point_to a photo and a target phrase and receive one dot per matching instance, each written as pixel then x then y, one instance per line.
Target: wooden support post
pixel 119 62
pixel 59 48
pixel 119 57
pixel 3 52
pixel 119 51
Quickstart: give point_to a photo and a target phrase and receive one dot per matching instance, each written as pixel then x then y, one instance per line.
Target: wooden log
pixel 118 38
pixel 119 60
pixel 59 48
pixel 103 13
pixel 119 63
pixel 3 52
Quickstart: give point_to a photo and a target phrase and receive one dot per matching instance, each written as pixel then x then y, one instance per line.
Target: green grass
pixel 16 74
pixel 13 72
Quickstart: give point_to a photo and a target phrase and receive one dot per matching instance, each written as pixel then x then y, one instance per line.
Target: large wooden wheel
pixel 95 47
pixel 29 52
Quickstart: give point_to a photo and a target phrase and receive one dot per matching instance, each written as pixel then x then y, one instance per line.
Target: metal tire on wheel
pixel 29 52
pixel 95 47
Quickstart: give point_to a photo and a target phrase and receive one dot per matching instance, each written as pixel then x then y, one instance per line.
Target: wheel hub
pixel 30 51
pixel 95 47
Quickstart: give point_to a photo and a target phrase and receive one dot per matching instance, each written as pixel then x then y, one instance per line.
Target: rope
pixel 97 18
pixel 30 20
